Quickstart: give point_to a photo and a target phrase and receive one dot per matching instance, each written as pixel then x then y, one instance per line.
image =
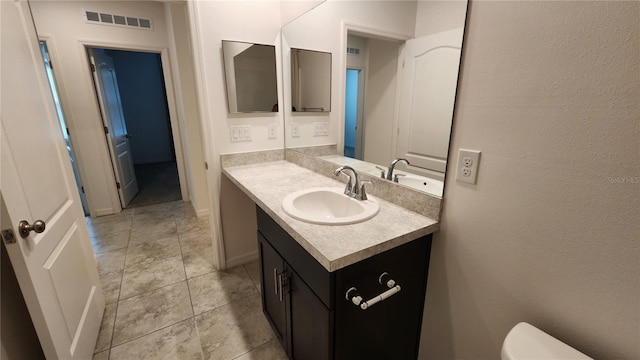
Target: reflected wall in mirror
pixel 310 80
pixel 394 84
pixel 250 73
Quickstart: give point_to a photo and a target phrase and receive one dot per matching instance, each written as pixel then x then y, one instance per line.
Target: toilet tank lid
pixel 525 341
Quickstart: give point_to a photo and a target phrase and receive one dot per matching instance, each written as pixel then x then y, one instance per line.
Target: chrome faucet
pixel 393 165
pixel 355 190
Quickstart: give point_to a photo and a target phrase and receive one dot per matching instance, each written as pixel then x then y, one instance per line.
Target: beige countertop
pixel 334 247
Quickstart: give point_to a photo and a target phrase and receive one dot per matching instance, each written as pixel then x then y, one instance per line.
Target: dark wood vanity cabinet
pixel 306 305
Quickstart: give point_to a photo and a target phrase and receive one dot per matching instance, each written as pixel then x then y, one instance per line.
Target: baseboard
pixel 202 213
pixel 242 259
pixel 103 212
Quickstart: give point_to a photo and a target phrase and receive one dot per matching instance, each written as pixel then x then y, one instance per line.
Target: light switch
pixel 240 133
pixel 273 131
pixel 295 130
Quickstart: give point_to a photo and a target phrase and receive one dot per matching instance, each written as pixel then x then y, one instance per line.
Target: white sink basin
pixel 431 186
pixel 328 206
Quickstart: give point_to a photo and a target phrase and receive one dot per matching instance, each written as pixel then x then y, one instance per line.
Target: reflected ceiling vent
pixel 94 17
pixel 353 51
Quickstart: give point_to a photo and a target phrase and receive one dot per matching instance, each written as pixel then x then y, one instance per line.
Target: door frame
pixel 176 122
pixel 367 32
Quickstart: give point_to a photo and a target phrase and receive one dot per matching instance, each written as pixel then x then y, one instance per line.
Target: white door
pixel 56 268
pixel 431 70
pixel 113 117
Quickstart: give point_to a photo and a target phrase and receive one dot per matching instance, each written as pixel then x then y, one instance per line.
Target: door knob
pixel 25 228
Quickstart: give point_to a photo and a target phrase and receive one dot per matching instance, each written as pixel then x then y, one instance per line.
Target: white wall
pixel 380 101
pixel 436 16
pixel 63 24
pixel 182 63
pixel 212 22
pixel 549 92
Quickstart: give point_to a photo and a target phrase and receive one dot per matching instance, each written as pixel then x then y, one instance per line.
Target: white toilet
pixel 525 341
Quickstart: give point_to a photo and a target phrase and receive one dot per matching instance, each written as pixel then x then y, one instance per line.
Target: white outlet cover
pixel 272 131
pixel 467 166
pixel 295 130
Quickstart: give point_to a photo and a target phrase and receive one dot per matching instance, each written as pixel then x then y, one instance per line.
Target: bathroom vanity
pixel 337 292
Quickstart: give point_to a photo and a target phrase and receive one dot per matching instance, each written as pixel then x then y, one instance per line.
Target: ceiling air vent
pixel 353 51
pixel 94 17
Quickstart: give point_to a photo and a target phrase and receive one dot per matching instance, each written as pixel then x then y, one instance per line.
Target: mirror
pixel 393 85
pixel 310 80
pixel 250 73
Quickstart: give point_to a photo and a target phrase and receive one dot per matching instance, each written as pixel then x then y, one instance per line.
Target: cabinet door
pixel 273 302
pixel 311 325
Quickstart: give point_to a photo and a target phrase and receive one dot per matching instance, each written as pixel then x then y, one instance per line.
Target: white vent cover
pixel 353 51
pixel 95 17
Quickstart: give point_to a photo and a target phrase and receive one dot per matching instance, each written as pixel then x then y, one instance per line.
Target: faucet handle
pixel 395 177
pixel 363 192
pixel 382 172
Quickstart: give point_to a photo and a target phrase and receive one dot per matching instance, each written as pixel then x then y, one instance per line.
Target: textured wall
pixel 550 93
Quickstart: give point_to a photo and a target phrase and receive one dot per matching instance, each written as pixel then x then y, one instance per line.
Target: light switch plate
pixel 320 129
pixel 273 131
pixel 467 167
pixel 240 133
pixel 295 130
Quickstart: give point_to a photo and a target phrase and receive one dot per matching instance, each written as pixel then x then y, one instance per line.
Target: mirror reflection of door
pixel 431 70
pixel 354 114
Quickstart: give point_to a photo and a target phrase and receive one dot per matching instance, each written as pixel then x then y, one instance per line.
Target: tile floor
pixel 157 183
pixel 164 298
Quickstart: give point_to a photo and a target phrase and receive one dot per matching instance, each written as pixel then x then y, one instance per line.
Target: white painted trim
pixel 242 259
pixel 210 152
pixel 366 31
pixel 202 213
pixel 105 160
pixel 68 118
pixel 102 212
pixel 176 122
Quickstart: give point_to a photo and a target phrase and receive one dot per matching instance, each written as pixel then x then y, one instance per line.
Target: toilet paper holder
pixel 354 296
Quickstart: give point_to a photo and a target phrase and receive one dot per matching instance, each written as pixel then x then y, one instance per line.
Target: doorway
pixel 354 114
pixel 133 100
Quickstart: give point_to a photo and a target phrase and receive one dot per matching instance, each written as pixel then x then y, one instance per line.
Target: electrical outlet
pixel 467 165
pixel 295 130
pixel 273 131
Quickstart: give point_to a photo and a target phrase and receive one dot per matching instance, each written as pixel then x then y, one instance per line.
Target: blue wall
pixel 144 104
pixel 350 112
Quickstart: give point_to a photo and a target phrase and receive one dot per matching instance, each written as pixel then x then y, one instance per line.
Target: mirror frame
pixel 326 85
pixel 231 88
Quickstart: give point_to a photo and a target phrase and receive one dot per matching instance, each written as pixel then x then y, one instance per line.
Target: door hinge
pixel 92 67
pixel 106 130
pixel 82 189
pixel 118 185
